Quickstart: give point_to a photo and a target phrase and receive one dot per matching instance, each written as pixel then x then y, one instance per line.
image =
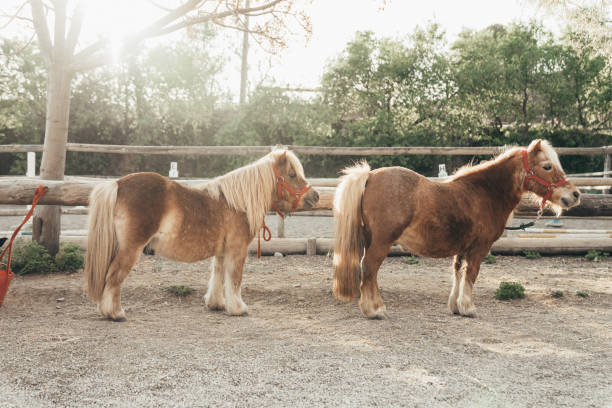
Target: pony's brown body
pixel 186 224
pixel 429 223
pixel 461 218
pixel 181 226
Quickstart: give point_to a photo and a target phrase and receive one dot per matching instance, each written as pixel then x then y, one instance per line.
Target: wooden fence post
pixel 280 226
pixel 607 168
pixel 311 246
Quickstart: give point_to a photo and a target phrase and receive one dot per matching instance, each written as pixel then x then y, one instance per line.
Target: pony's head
pixel 292 189
pixel 546 178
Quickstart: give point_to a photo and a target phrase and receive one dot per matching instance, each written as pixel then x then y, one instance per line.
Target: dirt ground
pixel 299 346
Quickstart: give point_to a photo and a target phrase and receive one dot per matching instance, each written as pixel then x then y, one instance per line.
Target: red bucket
pixel 5 280
pixel 6 275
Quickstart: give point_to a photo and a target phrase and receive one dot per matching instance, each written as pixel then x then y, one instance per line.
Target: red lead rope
pixel 6 275
pixel 531 176
pixel 266 230
pixel 280 184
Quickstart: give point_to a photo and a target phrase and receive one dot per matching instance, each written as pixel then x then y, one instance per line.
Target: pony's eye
pixel 292 175
pixel 547 167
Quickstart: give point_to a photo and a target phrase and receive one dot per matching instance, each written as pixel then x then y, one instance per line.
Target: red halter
pixel 280 183
pixel 531 176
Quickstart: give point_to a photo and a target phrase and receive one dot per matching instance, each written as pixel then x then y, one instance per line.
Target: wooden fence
pixel 74 191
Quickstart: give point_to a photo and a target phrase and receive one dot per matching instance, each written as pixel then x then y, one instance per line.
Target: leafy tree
pixel 22 108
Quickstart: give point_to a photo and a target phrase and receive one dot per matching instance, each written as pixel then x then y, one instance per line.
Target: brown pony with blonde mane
pixel 218 218
pixel 460 217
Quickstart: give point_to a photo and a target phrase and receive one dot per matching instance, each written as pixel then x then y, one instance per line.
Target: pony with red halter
pixel 460 217
pixel 217 219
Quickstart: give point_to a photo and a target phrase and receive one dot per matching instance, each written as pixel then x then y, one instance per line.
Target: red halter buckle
pixel 531 176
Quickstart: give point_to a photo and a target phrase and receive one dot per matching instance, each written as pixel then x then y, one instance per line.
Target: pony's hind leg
pixel 232 267
pixel 110 304
pixel 214 298
pixel 371 303
pixel 458 270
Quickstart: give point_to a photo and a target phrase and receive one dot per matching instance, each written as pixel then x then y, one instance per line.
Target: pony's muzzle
pixel 570 198
pixel 311 198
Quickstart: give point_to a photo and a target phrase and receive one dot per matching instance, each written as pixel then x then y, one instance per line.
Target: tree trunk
pixel 47 219
pixel 244 69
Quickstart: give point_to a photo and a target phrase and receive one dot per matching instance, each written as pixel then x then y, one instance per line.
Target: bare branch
pixel 159 6
pixel 15 16
pixel 12 18
pixel 75 27
pixel 95 55
pixel 218 16
pixel 92 62
pixel 59 36
pixel 42 30
pixel 147 32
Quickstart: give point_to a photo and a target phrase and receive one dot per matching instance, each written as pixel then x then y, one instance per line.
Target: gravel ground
pixel 301 347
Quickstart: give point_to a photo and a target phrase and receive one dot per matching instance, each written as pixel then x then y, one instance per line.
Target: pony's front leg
pixel 458 271
pixel 464 301
pixel 232 266
pixel 214 298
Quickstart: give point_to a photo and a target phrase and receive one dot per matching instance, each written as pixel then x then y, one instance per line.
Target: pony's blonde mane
pixel 250 188
pixel 547 148
pixel 471 168
pixel 551 154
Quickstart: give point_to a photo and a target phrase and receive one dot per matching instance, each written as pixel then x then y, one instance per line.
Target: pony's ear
pixel 282 159
pixel 535 146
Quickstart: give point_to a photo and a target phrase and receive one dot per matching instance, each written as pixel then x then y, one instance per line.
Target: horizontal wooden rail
pixel 578 181
pixel 315 150
pixel 20 190
pixel 318 182
pixel 504 245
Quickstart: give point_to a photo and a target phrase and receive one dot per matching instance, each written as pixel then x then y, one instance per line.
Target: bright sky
pixel 334 24
pixel 336 21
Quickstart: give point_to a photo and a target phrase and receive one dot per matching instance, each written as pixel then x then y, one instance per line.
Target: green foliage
pixel 596 256
pixel 411 260
pixel 583 294
pixel 532 254
pixel 489 259
pixel 557 294
pixel 180 290
pixel 31 257
pixel 69 258
pixel 510 290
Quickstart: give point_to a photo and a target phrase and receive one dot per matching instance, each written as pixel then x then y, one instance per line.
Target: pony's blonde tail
pixel 101 237
pixel 347 223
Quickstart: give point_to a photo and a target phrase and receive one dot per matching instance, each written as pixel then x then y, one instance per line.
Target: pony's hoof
pixel 119 317
pixel 239 313
pixel 453 307
pixel 467 311
pixel 240 309
pixel 214 305
pixel 379 314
